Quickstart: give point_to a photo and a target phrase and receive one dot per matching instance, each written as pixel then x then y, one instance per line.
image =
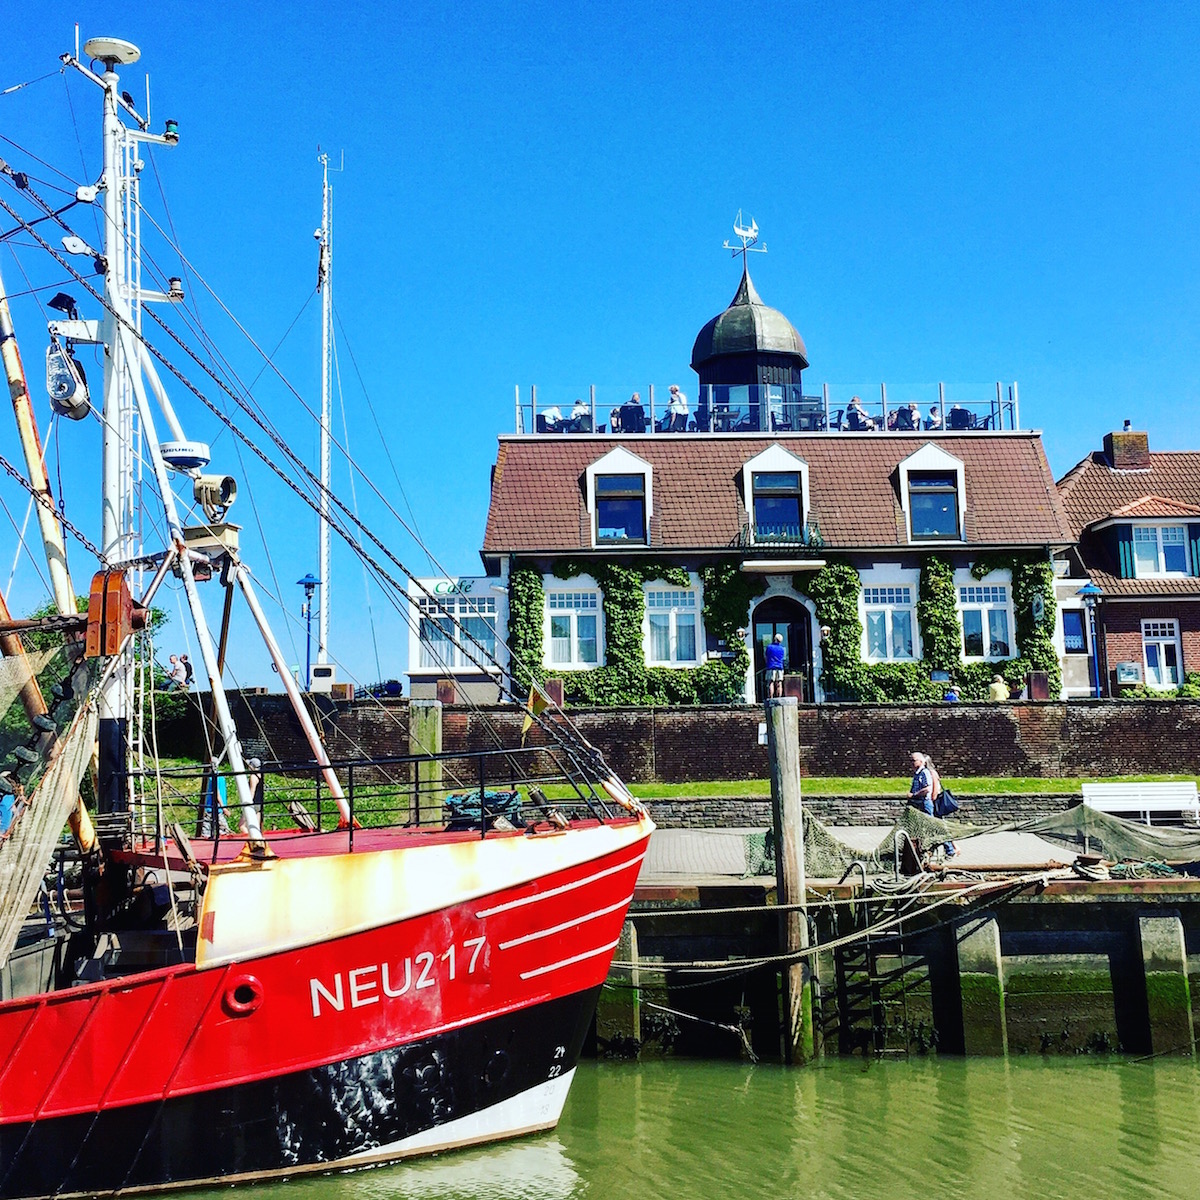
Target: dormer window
pixel 775 490
pixel 620 509
pixel 619 488
pixel 778 506
pixel 933 495
pixel 933 504
pixel 1160 550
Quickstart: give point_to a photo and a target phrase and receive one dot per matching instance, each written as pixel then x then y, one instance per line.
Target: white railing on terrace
pixel 768 408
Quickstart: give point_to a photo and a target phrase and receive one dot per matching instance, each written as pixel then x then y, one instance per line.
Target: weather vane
pixel 747 236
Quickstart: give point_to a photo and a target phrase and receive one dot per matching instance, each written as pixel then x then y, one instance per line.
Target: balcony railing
pixel 766 408
pixel 784 536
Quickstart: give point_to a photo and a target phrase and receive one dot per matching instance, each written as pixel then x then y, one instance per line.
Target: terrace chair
pixel 960 418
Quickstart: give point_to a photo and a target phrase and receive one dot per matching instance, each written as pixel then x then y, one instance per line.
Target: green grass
pixel 828 785
pixel 180 793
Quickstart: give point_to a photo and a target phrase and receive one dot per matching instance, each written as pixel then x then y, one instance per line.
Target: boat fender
pixel 243 996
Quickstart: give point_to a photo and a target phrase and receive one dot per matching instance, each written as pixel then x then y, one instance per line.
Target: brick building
pixel 1135 515
pixel 763 482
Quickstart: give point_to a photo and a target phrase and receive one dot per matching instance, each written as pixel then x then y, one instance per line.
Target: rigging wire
pixel 22 545
pixel 337 372
pixel 553 731
pixel 383 441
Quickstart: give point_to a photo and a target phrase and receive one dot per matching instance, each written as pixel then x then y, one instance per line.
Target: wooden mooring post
pixel 783 764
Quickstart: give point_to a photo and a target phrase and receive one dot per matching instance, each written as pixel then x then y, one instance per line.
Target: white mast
pixel 325 287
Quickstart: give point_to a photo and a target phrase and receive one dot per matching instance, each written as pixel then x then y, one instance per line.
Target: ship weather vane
pixel 747 236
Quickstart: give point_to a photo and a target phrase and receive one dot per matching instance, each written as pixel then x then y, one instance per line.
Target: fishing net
pixel 1088 831
pixel 27 847
pixel 1078 830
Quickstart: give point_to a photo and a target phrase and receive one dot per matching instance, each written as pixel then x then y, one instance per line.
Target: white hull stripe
pixel 537 1108
pixel 592 916
pixel 569 962
pixel 558 891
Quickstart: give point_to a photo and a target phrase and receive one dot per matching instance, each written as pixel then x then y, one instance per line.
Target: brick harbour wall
pixel 681 745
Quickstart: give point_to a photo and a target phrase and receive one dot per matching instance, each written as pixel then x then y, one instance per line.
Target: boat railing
pixel 454 789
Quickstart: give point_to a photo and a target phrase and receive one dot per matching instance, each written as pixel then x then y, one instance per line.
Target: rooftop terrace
pixel 766 408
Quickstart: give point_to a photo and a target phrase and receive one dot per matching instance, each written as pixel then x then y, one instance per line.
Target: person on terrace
pixel 856 417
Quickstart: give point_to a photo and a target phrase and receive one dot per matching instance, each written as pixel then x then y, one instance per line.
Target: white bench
pixel 1175 799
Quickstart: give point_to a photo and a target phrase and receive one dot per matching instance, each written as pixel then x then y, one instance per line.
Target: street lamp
pixel 309 583
pixel 1090 594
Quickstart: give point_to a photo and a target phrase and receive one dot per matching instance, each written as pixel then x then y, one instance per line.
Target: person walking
pixel 921 790
pixel 775 659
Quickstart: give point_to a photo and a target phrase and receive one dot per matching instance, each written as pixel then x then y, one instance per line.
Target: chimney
pixel 1128 450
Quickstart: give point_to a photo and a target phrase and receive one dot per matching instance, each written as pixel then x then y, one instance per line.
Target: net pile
pixel 1078 830
pixel 28 846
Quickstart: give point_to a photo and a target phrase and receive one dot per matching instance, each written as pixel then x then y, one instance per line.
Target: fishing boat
pixel 236 1000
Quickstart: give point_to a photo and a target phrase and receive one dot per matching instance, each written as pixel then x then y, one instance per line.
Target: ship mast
pixel 325 287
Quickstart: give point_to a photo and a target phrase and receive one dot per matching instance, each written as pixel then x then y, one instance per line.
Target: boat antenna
pixel 324 237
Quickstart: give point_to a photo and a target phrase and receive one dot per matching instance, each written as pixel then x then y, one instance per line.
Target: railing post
pixel 651 393
pixel 592 398
pixel 1015 412
pixel 883 399
pixel 825 397
pixel 518 423
pixel 533 406
pixel 482 798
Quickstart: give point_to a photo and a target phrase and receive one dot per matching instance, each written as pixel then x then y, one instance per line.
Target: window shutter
pixel 1123 535
pixel 1194 547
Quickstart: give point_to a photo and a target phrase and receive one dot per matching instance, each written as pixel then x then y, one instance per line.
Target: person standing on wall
pixel 775 659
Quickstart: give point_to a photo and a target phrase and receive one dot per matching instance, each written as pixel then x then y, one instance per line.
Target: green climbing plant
pixel 625 678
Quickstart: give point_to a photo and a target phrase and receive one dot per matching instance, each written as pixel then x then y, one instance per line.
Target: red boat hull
pixel 333 1045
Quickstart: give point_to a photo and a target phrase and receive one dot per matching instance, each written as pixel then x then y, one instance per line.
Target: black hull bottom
pixel 300 1121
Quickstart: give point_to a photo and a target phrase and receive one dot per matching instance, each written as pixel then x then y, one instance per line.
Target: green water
pixel 926 1128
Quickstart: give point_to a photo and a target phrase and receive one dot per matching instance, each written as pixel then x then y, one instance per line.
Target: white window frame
pixel 931 458
pixel 1154 633
pixel 774 459
pixel 985 605
pixel 583 585
pixel 465 597
pixel 889 599
pixel 618 461
pixel 694 590
pixel 1160 571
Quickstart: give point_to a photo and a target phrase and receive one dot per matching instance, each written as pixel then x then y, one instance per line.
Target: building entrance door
pixel 783 615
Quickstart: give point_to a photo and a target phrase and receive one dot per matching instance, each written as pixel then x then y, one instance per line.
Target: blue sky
pixel 537 194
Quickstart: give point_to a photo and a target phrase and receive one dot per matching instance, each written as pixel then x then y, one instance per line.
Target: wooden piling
pixel 783 764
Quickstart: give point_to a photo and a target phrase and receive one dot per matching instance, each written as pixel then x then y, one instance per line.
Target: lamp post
pixel 1090 594
pixel 309 583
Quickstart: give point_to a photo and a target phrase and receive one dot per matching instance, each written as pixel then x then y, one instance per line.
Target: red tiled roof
pixel 1092 491
pixel 1156 506
pixel 538 502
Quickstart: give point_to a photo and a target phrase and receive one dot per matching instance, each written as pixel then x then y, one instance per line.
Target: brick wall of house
pixel 1123 632
pixel 680 745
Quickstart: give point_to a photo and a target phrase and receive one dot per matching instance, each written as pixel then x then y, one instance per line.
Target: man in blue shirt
pixel 775 656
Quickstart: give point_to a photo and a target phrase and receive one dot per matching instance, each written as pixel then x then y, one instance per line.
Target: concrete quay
pixel 980 965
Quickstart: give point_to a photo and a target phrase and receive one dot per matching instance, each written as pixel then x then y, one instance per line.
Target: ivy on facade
pixel 625 679
pixel 836 588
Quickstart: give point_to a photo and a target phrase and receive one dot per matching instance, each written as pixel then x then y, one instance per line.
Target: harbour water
pixel 1084 1127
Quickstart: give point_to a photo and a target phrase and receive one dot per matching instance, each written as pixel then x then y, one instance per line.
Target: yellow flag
pixel 537 703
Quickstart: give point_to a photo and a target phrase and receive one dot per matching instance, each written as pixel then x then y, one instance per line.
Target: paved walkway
pixel 692 855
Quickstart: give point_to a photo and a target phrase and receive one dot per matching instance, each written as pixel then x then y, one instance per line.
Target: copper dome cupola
pixel 749 343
